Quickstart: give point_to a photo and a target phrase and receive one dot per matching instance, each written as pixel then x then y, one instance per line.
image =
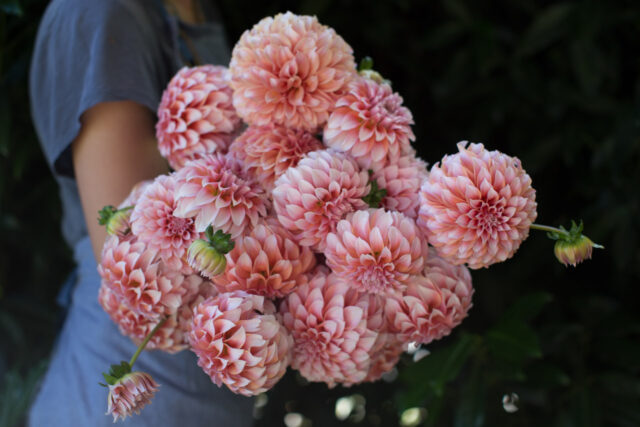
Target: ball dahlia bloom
pixel 376 250
pixel 216 191
pixel 265 262
pixel 433 303
pixel 312 197
pixel 476 206
pixel 385 357
pixel 130 394
pixel 370 123
pixel 329 324
pixel 240 343
pixel 268 151
pixel 141 281
pixel 154 223
pixel 196 115
pixel 402 181
pixel 289 70
pixel 135 194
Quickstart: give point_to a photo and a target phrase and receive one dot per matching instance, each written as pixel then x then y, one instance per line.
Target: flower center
pixel 178 226
pixel 487 217
pixel 375 279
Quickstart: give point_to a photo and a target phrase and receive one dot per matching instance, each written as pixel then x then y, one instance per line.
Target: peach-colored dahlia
pixel 332 336
pixel 153 222
pixel 402 181
pixel 141 281
pixel 240 343
pixel 370 123
pixel 433 304
pixel 388 349
pixel 289 70
pixel 130 394
pixel 218 192
pixel 376 251
pixel 476 206
pixel 196 115
pixel 268 151
pixel 312 197
pixel 135 194
pixel 265 262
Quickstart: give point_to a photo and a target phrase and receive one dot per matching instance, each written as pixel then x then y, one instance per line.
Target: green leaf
pixel 470 409
pixel 547 375
pixel 513 342
pixel 545 29
pixel 526 308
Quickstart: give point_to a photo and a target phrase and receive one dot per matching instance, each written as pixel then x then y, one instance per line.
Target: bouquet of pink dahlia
pixel 299 227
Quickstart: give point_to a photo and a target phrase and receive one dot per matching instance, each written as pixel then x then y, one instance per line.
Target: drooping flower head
pixel 376 251
pixel 289 70
pixel 240 343
pixel 476 206
pixel 401 181
pixel 196 115
pixel 141 281
pixel 370 123
pixel 433 303
pixel 208 256
pixel 312 197
pixel 268 151
pixel 266 261
pixel 331 333
pixel 216 191
pixel 130 394
pixel 154 223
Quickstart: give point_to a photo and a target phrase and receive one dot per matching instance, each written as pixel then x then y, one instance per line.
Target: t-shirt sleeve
pixel 89 52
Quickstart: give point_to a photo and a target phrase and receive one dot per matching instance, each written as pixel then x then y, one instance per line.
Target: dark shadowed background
pixel 553 83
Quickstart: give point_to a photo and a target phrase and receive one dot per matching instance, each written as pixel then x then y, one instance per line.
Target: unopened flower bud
pixel 203 257
pixel 573 252
pixel 116 220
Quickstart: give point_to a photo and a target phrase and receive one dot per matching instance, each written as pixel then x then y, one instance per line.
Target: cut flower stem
pixel 144 342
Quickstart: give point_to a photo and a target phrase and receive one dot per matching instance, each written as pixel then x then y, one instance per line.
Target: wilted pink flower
pixel 332 336
pixel 196 115
pixel 433 304
pixel 216 191
pixel 476 206
pixel 370 123
pixel 265 262
pixel 154 223
pixel 268 151
pixel 312 197
pixel 130 394
pixel 289 70
pixel 240 343
pixel 141 281
pixel 376 251
pixel 402 180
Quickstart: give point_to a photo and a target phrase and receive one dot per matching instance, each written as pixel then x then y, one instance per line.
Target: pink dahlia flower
pixel 153 222
pixel 385 357
pixel 289 70
pixel 141 281
pixel 477 206
pixel 370 123
pixel 433 304
pixel 402 181
pixel 130 394
pixel 265 262
pixel 217 192
pixel 332 336
pixel 240 343
pixel 196 115
pixel 268 151
pixel 135 194
pixel 376 251
pixel 312 197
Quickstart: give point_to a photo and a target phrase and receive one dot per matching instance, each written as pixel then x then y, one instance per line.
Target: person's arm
pixel 115 149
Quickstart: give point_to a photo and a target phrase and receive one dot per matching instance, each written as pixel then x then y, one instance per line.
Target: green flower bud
pixel 115 220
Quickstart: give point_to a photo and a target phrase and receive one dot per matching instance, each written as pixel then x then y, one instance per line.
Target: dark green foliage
pixel 553 83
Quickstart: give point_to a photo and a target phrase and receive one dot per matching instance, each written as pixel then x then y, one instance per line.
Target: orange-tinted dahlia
pixel 376 251
pixel 370 123
pixel 216 191
pixel 240 343
pixel 433 303
pixel 476 206
pixel 266 261
pixel 312 197
pixel 196 115
pixel 402 180
pixel 289 70
pixel 268 151
pixel 332 336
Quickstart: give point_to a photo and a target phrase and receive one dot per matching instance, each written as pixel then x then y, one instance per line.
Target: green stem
pixel 145 341
pixel 549 229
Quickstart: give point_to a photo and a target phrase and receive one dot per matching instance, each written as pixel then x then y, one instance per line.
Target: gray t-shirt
pixel 92 51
